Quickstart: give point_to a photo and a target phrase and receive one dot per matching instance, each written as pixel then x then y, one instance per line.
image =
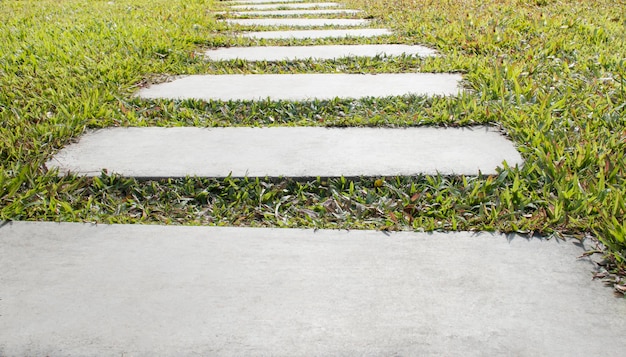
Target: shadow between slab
pixel 286 152
pixel 100 290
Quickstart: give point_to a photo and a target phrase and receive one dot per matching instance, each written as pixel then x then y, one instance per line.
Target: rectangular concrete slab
pixel 304 34
pixel 286 151
pixel 282 53
pixel 293 12
pixel 303 86
pixel 309 5
pixel 258 1
pixel 297 22
pixel 130 290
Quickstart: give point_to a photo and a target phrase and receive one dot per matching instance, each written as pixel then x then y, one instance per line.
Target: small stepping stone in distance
pixel 314 34
pixel 304 86
pixel 258 1
pixel 291 53
pixel 292 12
pixel 154 152
pixel 310 5
pixel 297 22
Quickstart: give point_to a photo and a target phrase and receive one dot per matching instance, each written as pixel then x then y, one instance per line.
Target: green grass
pixel 551 74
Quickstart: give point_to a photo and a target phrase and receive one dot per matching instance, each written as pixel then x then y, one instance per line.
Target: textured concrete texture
pixel 303 86
pixel 297 22
pixel 280 53
pixel 309 5
pixel 99 290
pixel 292 12
pixel 304 34
pixel 286 151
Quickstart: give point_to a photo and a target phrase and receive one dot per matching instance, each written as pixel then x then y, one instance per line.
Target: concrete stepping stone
pixel 303 86
pixel 75 289
pixel 309 5
pixel 155 152
pixel 258 1
pixel 314 34
pixel 293 12
pixel 297 22
pixel 280 53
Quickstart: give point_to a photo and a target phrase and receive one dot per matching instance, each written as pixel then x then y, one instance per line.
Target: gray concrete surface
pixel 87 290
pixel 308 5
pixel 292 12
pixel 281 53
pixel 297 22
pixel 257 1
pixel 304 34
pixel 286 151
pixel 303 86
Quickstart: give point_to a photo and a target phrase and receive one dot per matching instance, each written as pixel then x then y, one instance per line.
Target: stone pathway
pixel 139 290
pixel 313 34
pixel 294 12
pixel 310 5
pixel 279 53
pixel 303 86
pixel 297 22
pixel 287 151
pixel 234 2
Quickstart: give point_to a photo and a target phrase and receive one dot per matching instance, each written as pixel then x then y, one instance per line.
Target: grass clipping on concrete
pixel 551 74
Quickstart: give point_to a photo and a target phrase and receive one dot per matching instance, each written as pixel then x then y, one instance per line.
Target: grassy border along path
pixel 550 74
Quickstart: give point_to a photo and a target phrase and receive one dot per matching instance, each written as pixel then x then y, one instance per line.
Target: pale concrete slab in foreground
pixel 286 151
pixel 314 34
pixel 131 290
pixel 297 22
pixel 309 5
pixel 290 53
pixel 303 86
pixel 293 12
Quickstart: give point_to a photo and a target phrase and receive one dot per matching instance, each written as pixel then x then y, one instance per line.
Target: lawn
pixel 551 74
